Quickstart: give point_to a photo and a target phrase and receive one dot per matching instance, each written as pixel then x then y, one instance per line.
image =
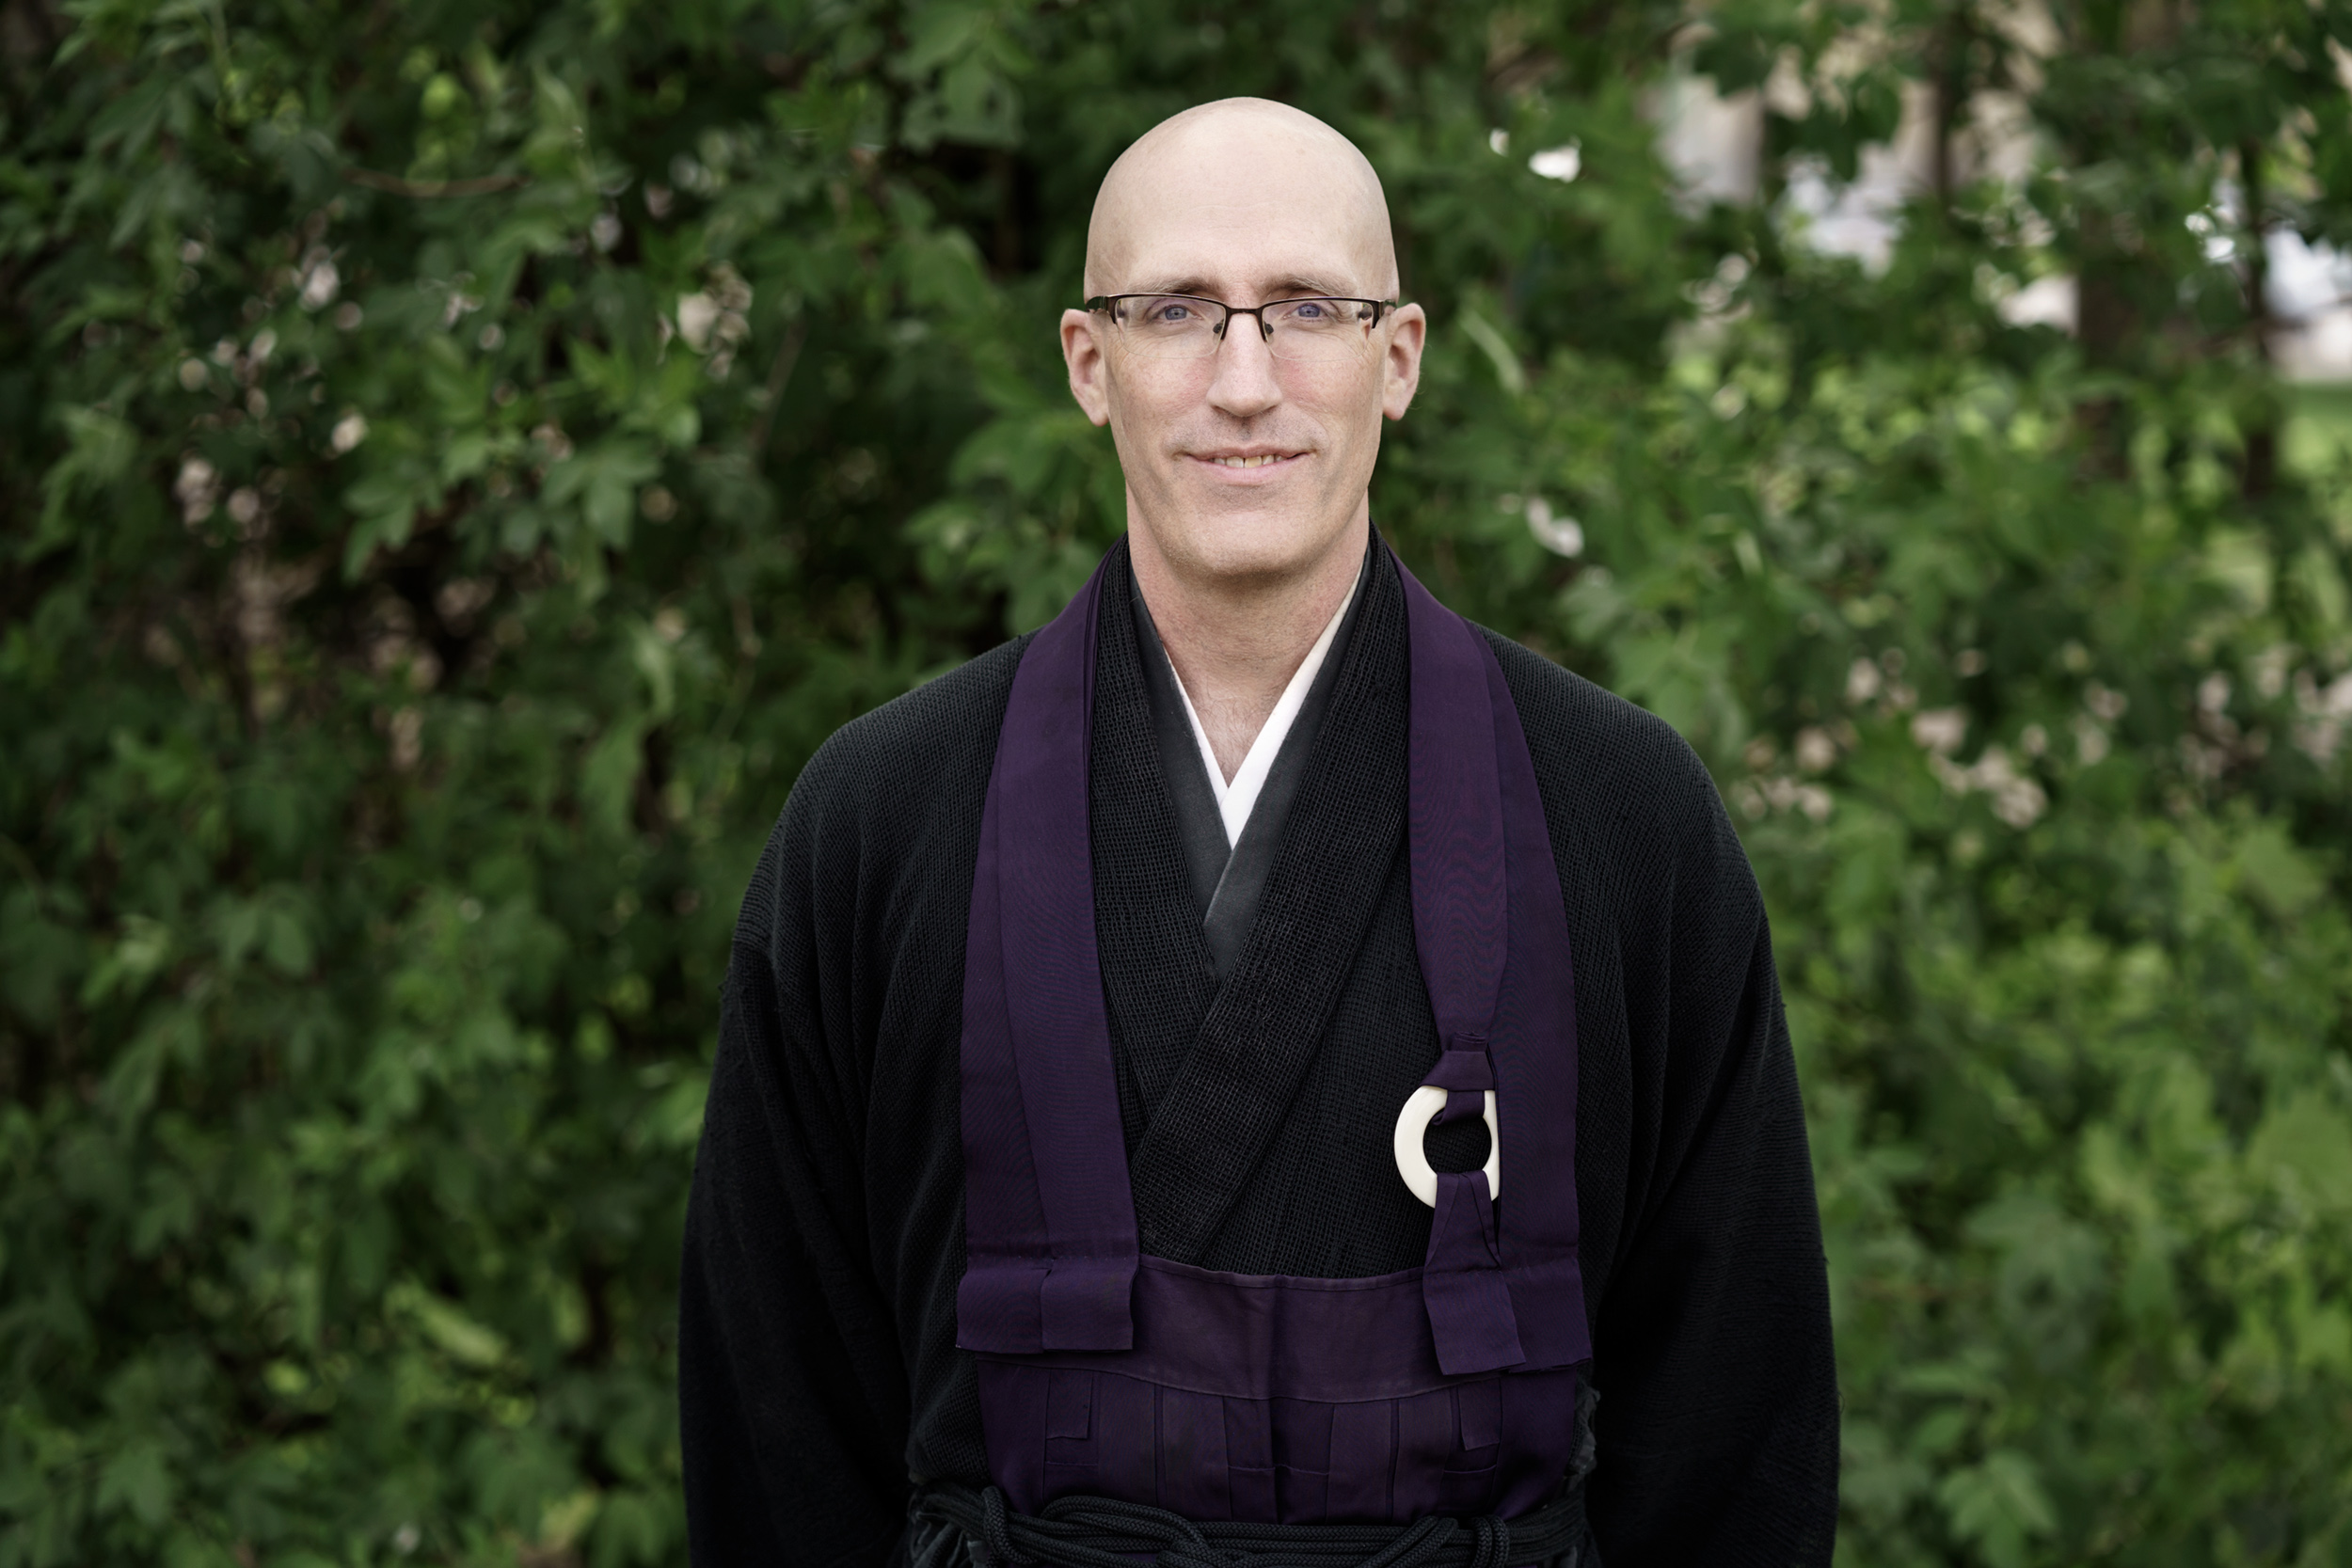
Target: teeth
pixel 1247 462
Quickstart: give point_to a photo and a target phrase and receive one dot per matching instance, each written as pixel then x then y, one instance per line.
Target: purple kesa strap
pixel 1050 1265
pixel 1456 819
pixel 1461 929
pixel 1534 1046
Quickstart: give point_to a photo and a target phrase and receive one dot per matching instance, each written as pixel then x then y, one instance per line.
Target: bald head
pixel 1242 183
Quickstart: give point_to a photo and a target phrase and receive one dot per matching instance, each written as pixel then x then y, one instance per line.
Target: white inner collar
pixel 1236 800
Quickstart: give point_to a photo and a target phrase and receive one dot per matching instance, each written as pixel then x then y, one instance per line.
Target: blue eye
pixel 1312 310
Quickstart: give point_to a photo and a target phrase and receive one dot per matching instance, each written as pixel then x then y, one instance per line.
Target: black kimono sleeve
pixel 1718 1424
pixel 786 1360
pixel 825 1233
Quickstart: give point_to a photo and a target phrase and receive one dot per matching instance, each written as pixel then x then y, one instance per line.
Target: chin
pixel 1253 544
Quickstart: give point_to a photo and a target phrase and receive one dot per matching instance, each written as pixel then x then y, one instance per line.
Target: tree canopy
pixel 459 460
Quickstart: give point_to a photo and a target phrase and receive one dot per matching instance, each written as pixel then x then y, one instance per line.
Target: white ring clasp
pixel 1413 1123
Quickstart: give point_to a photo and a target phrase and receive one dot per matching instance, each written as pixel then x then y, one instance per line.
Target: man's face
pixel 1244 463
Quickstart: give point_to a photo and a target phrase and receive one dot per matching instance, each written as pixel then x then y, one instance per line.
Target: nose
pixel 1246 384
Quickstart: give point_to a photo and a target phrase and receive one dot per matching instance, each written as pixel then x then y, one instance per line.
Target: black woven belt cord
pixel 1102 1533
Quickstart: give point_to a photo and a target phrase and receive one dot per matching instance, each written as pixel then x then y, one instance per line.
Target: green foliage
pixel 458 461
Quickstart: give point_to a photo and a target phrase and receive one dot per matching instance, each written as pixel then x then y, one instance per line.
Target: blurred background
pixel 458 461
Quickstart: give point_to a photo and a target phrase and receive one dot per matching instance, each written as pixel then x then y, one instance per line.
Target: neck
pixel 1236 641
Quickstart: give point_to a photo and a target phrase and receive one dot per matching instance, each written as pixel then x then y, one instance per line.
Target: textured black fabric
pixel 1199 825
pixel 1231 1122
pixel 824 1237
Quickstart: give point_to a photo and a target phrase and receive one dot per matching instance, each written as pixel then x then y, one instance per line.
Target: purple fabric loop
pixel 1463 1065
pixel 1462 1285
pixel 1465 1071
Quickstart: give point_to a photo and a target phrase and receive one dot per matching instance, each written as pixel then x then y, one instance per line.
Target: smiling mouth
pixel 1259 460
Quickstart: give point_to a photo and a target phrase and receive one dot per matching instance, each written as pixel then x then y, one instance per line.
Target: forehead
pixel 1243 208
pixel 1242 247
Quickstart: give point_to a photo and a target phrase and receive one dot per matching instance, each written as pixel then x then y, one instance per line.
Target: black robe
pixel 817 1362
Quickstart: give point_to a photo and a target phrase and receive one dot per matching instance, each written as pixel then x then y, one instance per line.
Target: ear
pixel 1082 352
pixel 1409 329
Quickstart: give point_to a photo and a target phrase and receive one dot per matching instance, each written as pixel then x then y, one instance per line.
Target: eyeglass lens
pixel 1174 327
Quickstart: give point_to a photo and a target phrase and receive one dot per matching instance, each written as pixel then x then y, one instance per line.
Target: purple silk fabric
pixel 1450 1388
pixel 1275 1400
pixel 1051 1255
pixel 1534 1047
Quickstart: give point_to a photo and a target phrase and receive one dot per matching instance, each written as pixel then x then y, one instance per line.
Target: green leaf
pixel 602 481
pixel 2305 1144
pixel 101 451
pixel 1999 1505
pixel 138 1479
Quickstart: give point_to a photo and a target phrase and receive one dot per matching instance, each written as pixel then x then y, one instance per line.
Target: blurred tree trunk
pixel 2260 464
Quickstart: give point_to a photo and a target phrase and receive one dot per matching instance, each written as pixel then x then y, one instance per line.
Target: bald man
pixel 1260 1066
